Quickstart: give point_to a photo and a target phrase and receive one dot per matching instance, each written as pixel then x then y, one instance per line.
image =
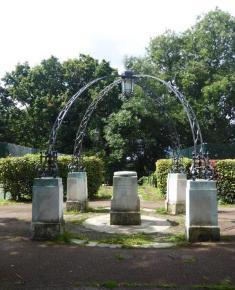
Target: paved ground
pixel 26 264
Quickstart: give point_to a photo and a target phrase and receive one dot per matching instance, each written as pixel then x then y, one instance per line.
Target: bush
pixel 225 173
pixel 17 174
pixel 163 167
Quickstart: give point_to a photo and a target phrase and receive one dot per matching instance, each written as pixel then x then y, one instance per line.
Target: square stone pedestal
pixel 176 193
pixel 77 194
pixel 47 208
pixel 201 211
pixel 125 204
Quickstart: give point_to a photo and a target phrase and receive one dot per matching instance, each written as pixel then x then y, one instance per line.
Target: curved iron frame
pixel 49 158
pixel 200 166
pixel 76 164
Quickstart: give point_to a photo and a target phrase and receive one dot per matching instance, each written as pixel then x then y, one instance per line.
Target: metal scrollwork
pixel 76 164
pixel 49 158
pixel 49 167
pixel 195 128
pixel 201 167
pixel 177 163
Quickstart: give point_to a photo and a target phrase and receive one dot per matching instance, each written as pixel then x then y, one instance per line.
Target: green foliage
pixel 225 171
pixel 149 193
pixel 161 210
pixel 40 93
pixel 225 176
pixel 162 170
pixel 163 167
pixel 17 174
pixel 201 63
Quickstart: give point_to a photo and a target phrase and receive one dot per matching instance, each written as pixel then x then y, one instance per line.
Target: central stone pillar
pixel 176 193
pixel 125 204
pixel 47 208
pixel 77 196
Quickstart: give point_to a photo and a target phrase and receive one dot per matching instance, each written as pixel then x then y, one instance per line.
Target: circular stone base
pixel 149 225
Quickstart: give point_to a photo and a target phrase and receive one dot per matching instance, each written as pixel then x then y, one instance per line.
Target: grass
pixel 177 239
pixel 126 241
pixel 71 212
pixel 110 284
pixel 77 221
pixel 9 202
pixel 98 210
pixel 161 210
pixel 66 237
pixel 226 284
pixel 105 192
pixel 220 204
pixel 149 193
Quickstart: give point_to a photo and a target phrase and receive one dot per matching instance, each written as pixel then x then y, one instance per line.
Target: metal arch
pixel 76 162
pixel 177 164
pixel 174 137
pixel 201 167
pixel 195 128
pixel 49 165
pixel 64 111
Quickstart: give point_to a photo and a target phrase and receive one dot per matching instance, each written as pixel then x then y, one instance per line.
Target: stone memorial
pixel 125 203
pixel 47 208
pixel 77 194
pixel 201 211
pixel 176 193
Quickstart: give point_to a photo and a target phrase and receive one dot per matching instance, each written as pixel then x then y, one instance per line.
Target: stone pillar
pixel 47 208
pixel 77 196
pixel 201 211
pixel 125 203
pixel 176 193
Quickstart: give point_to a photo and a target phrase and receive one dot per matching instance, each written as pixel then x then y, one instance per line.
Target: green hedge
pixel 163 167
pixel 225 176
pixel 17 174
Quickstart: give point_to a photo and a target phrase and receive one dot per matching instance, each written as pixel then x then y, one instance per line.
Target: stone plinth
pixel 47 208
pixel 201 211
pixel 125 204
pixel 77 196
pixel 176 193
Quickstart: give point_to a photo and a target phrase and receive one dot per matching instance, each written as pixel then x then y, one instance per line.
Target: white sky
pixel 32 30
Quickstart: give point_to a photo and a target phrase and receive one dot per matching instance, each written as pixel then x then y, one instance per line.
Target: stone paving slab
pixel 149 225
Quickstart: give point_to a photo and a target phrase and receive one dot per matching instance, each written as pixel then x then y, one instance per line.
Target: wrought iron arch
pixel 75 165
pixel 200 167
pixel 49 159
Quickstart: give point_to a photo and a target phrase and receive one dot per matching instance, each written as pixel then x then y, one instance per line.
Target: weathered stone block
pixel 176 193
pixel 47 208
pixel 125 218
pixel 125 204
pixel 77 194
pixel 201 211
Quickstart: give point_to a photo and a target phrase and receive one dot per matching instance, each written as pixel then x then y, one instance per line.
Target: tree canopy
pixel 132 132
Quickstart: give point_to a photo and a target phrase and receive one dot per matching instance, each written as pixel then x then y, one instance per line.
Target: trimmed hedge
pixel 225 175
pixel 224 172
pixel 17 174
pixel 163 167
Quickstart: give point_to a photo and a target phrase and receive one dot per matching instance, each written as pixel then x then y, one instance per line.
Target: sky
pixel 33 30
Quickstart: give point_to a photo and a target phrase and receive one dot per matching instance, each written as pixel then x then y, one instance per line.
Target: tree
pixel 201 61
pixel 42 91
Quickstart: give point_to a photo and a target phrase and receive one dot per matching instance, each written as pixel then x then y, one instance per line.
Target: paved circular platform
pixel 149 225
